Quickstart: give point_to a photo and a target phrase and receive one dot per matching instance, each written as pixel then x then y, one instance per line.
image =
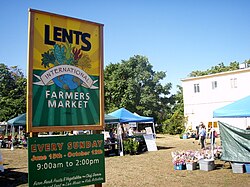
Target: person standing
pixel 130 132
pixel 200 127
pixel 197 132
pixel 202 134
pixel 112 140
pixel 213 135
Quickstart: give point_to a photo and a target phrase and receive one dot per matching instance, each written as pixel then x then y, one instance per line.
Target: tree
pixel 176 120
pixel 12 92
pixel 247 62
pixel 134 85
pixel 216 69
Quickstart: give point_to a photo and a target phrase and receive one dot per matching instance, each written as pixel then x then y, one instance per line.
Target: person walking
pixel 202 134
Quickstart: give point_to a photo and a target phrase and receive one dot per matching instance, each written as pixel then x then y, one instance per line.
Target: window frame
pixel 233 82
pixel 197 88
pixel 214 85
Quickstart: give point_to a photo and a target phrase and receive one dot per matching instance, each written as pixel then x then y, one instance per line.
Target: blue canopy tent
pixel 236 109
pixel 126 116
pixel 111 119
pixel 18 121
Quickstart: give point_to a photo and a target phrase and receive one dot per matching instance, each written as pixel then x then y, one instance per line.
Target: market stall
pixel 235 141
pixel 124 131
pixel 126 117
pixel 16 135
pixel 237 109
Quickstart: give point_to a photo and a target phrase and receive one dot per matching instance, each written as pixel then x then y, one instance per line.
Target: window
pixel 196 88
pixel 233 82
pixel 214 84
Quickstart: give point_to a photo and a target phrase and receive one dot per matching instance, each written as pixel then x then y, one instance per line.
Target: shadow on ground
pixel 11 178
pixel 164 147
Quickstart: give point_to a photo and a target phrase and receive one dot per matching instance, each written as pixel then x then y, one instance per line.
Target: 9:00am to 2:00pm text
pixel 75 163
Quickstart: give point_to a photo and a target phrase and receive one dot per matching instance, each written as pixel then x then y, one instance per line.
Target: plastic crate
pixel 237 167
pixel 191 165
pixel 185 136
pixel 180 167
pixel 206 164
pixel 247 166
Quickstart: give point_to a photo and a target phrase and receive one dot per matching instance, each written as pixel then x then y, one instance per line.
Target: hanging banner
pixel 65 73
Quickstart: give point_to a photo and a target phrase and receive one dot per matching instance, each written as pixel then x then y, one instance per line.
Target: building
pixel 203 94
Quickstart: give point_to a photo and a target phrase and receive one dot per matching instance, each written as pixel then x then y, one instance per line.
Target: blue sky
pixel 177 36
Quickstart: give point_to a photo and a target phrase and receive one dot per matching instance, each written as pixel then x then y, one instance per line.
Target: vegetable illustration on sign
pixel 67 72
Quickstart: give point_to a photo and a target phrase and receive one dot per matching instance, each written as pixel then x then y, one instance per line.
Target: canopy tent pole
pixel 19 132
pixel 154 130
pixel 119 133
pixel 12 138
pixel 212 140
pixel 6 129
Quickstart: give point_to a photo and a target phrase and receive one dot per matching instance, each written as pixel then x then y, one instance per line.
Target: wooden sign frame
pixel 32 62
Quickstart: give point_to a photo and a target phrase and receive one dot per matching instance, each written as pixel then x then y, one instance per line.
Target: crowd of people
pixel 10 140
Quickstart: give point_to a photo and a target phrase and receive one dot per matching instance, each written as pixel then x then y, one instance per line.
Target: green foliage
pixel 131 145
pixel 216 69
pixel 133 84
pixel 175 123
pixel 12 92
pixel 247 62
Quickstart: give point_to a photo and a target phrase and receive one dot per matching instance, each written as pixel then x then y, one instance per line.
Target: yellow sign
pixel 213 124
pixel 77 37
pixel 65 85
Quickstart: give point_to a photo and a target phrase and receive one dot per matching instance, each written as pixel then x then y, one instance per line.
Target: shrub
pixel 131 145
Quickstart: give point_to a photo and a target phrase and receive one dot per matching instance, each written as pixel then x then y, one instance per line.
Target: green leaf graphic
pixel 59 53
pixel 48 58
